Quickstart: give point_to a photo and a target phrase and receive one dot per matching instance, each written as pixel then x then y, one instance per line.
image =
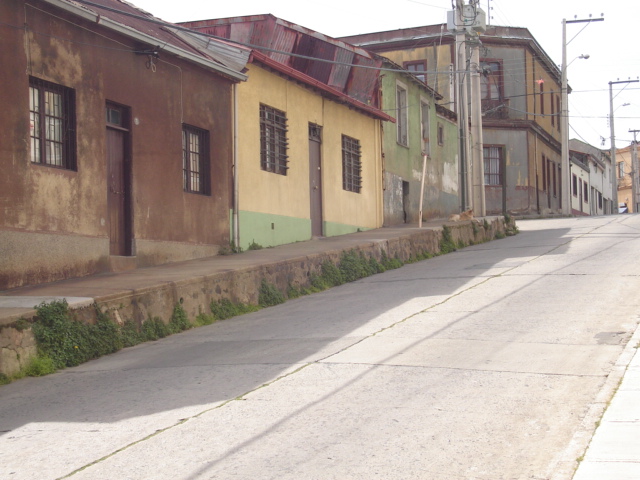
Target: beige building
pixel 623 171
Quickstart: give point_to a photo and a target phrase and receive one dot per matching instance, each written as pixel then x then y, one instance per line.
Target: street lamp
pixel 564 132
pixel 581 57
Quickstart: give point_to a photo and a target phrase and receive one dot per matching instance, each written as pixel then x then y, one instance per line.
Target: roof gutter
pixel 94 17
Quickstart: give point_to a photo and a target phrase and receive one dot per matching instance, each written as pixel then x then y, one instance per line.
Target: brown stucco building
pixel 117 142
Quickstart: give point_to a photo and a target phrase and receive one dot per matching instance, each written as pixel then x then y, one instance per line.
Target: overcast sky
pixel 612 44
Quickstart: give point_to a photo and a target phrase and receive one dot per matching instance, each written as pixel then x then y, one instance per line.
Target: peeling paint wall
pixel 403 164
pixel 54 222
pixel 527 114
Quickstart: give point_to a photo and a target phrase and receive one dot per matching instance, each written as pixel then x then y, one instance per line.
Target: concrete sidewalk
pixel 107 288
pixel 614 452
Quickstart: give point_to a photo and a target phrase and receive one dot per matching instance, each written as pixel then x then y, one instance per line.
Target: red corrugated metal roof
pixel 324 88
pixel 273 33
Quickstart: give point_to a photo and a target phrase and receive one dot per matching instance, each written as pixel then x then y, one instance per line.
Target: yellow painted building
pixel 316 190
pixel 624 170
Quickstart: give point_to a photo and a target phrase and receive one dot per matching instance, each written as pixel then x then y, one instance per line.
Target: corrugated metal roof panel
pixel 284 40
pixel 340 73
pixel 363 81
pixel 135 23
pixel 322 70
pixel 277 34
pixel 226 54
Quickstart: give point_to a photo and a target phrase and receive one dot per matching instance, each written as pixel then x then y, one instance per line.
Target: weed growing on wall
pixel 389 263
pixel 269 295
pixel 447 245
pixel 64 342
pixel 224 308
pixel 510 227
pixel 179 321
pixel 254 246
pixel 67 342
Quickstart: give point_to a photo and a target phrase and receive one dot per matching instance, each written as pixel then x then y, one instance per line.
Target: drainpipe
pixel 236 225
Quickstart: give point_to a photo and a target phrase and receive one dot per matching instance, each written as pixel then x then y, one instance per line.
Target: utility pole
pixel 466 22
pixel 477 146
pixel 634 171
pixel 564 132
pixel 455 26
pixel 614 176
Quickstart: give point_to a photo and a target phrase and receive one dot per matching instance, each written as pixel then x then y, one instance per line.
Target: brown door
pixel 118 181
pixel 315 178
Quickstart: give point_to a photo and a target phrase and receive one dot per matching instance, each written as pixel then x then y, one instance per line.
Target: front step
pixel 122 264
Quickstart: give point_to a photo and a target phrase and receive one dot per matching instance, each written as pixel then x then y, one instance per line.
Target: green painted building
pixel 422 129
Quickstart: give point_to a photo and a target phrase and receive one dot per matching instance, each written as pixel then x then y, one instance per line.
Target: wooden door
pixel 315 179
pixel 118 182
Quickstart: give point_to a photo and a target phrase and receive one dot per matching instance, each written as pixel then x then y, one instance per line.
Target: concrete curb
pixel 579 446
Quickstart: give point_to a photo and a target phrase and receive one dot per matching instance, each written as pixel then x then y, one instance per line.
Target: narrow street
pixel 492 362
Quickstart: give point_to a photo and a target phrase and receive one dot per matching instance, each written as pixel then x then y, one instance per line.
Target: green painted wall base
pixel 332 229
pixel 271 230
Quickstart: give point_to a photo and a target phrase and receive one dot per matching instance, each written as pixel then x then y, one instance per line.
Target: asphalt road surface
pixel 493 362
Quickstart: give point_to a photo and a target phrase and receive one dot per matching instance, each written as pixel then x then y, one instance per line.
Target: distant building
pixel 624 171
pixel 591 180
pixel 521 98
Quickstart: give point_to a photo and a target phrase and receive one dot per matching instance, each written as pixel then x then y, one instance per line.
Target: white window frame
pixel 402 114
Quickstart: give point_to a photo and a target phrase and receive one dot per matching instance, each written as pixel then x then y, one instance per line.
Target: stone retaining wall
pixel 17 345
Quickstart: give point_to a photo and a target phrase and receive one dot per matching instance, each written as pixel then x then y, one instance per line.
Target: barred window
pixel 493 165
pixel 273 140
pixel 195 160
pixel 52 124
pixel 351 165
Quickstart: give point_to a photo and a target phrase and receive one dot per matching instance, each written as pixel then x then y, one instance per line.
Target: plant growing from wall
pixel 254 246
pixel 68 342
pixel 389 263
pixel 224 308
pixel 447 245
pixel 64 342
pixel 269 295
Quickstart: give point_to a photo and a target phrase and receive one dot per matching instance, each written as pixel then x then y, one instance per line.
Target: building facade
pixel 591 180
pixel 520 101
pixel 120 154
pixel 309 152
pixel 624 173
pixel 423 141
